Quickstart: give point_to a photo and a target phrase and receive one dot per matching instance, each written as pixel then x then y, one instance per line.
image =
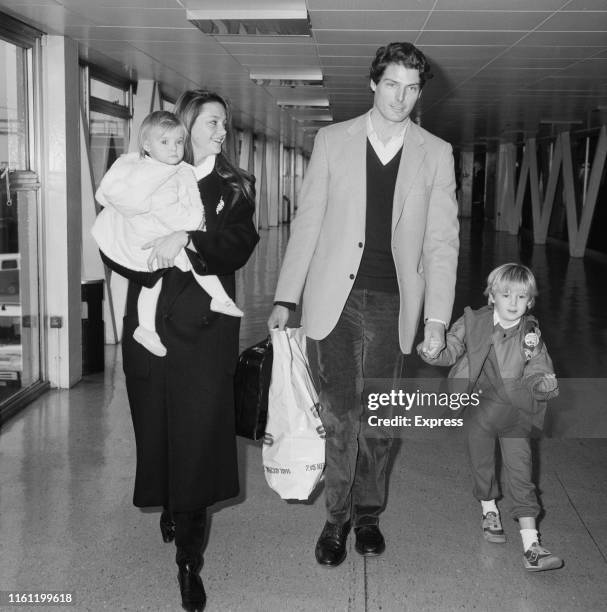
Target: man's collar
pixel 399 135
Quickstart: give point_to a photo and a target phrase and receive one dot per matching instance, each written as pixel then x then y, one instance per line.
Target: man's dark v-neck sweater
pixel 377 270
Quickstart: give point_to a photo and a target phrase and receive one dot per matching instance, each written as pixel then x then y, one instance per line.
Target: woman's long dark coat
pixel 182 404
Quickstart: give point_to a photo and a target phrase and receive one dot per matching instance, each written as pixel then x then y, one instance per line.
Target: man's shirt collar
pixel 386 152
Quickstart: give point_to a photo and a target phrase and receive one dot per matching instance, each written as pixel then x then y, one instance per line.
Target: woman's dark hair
pixel 187 108
pixel 403 53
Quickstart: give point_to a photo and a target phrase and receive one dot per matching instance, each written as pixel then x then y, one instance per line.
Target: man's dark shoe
pixel 193 597
pixel 369 541
pixel 331 545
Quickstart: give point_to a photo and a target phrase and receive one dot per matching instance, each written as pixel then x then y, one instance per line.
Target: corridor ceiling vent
pixel 252 22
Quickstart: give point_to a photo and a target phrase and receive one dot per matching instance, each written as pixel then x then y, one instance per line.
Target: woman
pixel 182 404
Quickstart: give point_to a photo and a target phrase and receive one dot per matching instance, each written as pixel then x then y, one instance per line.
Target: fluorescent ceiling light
pixel 295 74
pixel 252 22
pixel 292 77
pixel 288 83
pixel 311 120
pixel 304 103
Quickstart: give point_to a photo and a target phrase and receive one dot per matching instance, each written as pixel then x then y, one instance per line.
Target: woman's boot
pixel 167 525
pixel 189 540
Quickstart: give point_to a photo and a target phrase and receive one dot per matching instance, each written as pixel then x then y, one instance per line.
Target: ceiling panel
pixel 277 48
pixel 161 48
pixel 128 17
pixel 184 35
pixel 497 70
pixel 585 5
pixel 536 63
pixel 455 38
pixel 445 52
pixel 485 20
pixel 561 39
pixel 350 50
pixel 368 20
pixel 357 62
pixel 590 21
pixel 513 5
pixel 525 50
pixel 19 3
pixel 353 71
pixel 375 38
pixel 48 18
pixel 123 4
pixel 278 60
pixel 353 5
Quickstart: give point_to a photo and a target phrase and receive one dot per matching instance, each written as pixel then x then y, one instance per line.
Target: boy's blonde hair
pixel 161 120
pixel 508 275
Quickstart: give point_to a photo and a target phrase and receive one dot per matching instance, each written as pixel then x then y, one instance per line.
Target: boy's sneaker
pixel 492 528
pixel 537 559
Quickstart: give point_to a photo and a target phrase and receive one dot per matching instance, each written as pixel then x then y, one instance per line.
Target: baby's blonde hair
pixel 161 120
pixel 508 275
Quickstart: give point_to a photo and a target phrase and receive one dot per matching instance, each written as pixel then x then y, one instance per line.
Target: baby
pixel 148 195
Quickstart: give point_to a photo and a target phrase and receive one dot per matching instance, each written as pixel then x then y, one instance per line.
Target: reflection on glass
pixel 106 92
pixel 13 158
pixel 109 140
pixel 13 107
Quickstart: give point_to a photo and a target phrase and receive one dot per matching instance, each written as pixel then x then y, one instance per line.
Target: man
pixel 374 238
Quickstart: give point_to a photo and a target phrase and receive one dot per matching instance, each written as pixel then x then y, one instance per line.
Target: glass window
pixel 109 138
pixel 13 107
pixel 109 93
pixel 108 108
pixel 19 206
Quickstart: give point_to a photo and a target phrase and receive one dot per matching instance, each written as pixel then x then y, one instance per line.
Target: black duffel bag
pixel 251 386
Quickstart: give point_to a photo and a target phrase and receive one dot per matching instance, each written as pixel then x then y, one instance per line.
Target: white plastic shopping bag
pixel 294 446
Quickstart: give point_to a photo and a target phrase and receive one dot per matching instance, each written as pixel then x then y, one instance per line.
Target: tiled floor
pixel 66 469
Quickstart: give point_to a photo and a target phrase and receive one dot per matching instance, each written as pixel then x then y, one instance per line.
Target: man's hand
pixel 165 249
pixel 434 339
pixel 279 317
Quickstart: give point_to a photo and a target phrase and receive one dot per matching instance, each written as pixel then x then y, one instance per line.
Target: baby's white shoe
pixel 150 340
pixel 226 307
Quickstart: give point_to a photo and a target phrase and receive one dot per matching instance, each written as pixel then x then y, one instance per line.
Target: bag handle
pixel 306 365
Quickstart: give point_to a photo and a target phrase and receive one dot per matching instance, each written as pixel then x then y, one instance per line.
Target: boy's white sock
pixel 489 506
pixel 529 536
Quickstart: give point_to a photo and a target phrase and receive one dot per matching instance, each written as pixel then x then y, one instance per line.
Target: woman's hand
pixel 165 249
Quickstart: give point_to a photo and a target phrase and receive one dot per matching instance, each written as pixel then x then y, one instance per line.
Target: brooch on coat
pixel 220 206
pixel 531 343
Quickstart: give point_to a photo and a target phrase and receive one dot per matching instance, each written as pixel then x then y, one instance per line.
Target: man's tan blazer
pixel 328 232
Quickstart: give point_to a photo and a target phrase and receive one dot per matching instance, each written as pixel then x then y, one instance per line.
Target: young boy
pixel 499 350
pixel 148 195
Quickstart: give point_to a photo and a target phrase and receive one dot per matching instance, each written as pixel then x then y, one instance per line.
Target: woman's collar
pixel 205 168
